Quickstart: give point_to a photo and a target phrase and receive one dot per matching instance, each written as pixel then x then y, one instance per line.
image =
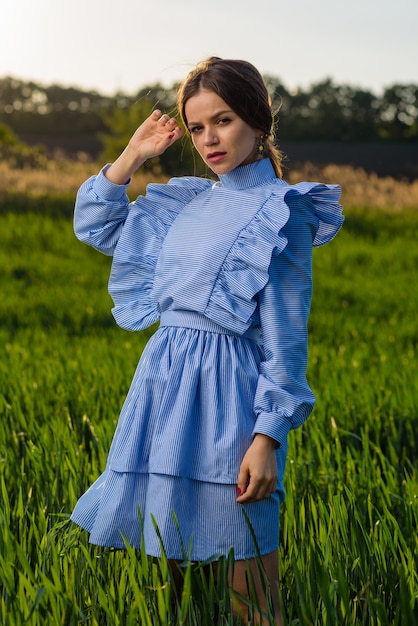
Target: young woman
pixel 225 267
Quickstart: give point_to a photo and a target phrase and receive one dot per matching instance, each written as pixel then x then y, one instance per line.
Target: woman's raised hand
pixel 151 139
pixel 154 136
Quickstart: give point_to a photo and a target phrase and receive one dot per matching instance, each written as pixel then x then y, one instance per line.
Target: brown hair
pixel 242 87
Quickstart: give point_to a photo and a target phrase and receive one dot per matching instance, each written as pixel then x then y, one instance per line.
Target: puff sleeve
pixel 100 212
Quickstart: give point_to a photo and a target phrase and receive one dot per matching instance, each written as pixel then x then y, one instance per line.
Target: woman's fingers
pixel 167 124
pixel 255 489
pixel 154 136
pixel 164 121
pixel 262 494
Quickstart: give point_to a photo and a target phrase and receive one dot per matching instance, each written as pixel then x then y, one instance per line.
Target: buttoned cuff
pixel 106 189
pixel 273 425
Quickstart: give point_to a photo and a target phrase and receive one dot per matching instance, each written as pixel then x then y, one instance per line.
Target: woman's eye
pixel 224 120
pixel 195 129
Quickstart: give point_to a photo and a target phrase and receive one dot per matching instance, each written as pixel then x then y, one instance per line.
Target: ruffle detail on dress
pixel 245 270
pixel 325 202
pixel 136 254
pixel 204 517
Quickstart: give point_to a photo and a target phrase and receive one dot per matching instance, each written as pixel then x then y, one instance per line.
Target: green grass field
pixel 349 523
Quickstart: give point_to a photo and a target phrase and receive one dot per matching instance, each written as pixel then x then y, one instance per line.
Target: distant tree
pixel 326 114
pixel 399 112
pixel 82 120
pixel 329 112
pixel 29 97
pixel 48 115
pixel 16 153
pixel 7 136
pixel 360 110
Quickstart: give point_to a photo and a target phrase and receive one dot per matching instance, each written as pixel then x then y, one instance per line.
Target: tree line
pixel 79 120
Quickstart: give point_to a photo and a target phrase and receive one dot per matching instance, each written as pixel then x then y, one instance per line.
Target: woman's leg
pixel 265 583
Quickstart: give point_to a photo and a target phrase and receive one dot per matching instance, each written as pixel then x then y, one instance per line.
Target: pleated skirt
pixel 170 479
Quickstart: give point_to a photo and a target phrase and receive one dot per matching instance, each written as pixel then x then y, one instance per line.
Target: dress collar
pixel 251 175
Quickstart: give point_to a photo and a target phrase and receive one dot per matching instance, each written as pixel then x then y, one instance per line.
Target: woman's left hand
pixel 257 478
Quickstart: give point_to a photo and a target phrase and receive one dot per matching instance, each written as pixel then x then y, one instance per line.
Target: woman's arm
pixel 102 204
pixel 283 398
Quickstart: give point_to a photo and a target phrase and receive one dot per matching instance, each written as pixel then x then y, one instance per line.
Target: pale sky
pixel 126 44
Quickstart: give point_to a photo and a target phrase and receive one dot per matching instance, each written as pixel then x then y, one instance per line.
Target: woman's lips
pixel 215 157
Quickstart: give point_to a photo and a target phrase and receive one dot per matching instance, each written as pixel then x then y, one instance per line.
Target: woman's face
pixel 223 140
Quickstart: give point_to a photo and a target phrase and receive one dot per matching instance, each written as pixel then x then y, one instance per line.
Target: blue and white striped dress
pixel 226 268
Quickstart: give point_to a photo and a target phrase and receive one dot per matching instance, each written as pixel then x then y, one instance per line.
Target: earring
pixel 260 146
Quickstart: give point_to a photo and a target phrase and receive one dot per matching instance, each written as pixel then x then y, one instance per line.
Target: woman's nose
pixel 210 137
